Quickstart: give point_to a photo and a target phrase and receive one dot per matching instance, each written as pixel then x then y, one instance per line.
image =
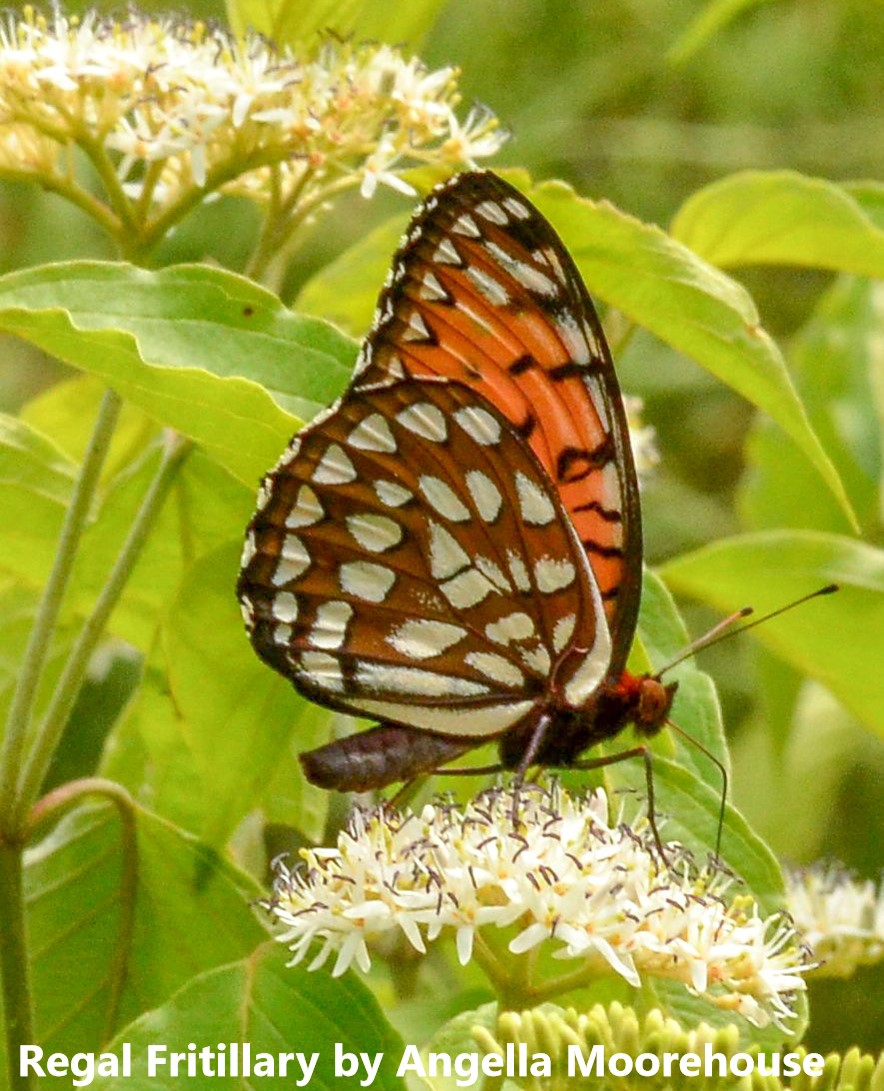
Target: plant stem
pixel 17 1001
pixel 53 724
pixel 21 707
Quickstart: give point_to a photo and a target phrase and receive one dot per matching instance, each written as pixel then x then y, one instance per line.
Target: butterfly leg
pixel 624 755
pixel 379 757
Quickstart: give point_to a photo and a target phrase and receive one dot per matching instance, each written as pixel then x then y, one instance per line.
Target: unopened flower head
pixel 550 869
pixel 171 106
pixel 642 437
pixel 840 917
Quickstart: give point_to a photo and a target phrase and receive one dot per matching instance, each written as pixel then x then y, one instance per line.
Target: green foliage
pixel 294 24
pixel 187 912
pixel 188 345
pixel 206 740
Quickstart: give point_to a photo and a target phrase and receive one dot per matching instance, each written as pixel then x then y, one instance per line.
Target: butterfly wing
pixel 410 561
pixel 483 293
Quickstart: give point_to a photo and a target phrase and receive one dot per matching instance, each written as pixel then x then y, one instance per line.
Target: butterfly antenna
pixel 723 631
pixel 724 779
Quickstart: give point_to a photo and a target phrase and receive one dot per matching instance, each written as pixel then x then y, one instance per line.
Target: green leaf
pixel 781 217
pixel 67 410
pixel 662 637
pixel 835 359
pixel 275 1009
pixel 36 480
pixel 206 504
pixel 688 809
pixel 213 722
pixel 837 639
pixel 191 913
pixel 297 24
pixel 199 349
pixel 345 290
pixel 695 308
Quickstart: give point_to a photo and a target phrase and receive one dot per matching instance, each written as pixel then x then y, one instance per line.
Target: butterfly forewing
pixel 483 293
pixel 411 561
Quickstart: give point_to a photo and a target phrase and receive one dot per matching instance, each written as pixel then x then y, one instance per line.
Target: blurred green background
pixel 625 101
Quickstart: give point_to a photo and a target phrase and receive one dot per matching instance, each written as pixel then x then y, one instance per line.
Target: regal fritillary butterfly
pixel 454 548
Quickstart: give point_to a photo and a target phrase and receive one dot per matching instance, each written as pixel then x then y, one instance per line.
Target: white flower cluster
pixel 181 105
pixel 552 868
pixel 642 437
pixel 839 917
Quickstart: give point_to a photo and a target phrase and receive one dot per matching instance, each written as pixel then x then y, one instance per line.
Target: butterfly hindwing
pixel 411 561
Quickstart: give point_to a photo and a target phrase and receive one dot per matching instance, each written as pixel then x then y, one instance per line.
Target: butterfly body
pixel 454 548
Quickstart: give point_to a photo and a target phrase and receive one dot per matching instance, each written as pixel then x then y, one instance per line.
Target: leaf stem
pixel 53 724
pixel 21 707
pixel 17 1001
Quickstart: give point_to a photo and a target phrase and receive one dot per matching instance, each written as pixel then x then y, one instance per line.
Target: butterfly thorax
pixel 641 700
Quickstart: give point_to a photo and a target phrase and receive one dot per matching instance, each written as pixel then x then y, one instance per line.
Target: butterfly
pixel 454 548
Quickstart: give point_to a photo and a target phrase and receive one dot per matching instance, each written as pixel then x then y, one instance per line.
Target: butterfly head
pixel 642 700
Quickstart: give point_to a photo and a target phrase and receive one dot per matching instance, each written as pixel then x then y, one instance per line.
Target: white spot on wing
pixel 285 607
pixel 373 434
pixel 488 287
pixel 395 367
pixel 367 581
pixel 492 572
pixel 443 498
pixel 446 253
pixel 374 532
pixel 416 329
pixel 424 419
pixel 536 507
pixel 466 225
pixel 249 549
pixel 530 278
pixel 414 682
pixel 553 575
pixel 572 336
pixel 334 468
pixel 446 555
pixel 330 627
pixel 479 425
pixel 587 678
pixel 306 509
pixel 323 670
pixel 515 626
pixel 537 659
pixel 391 494
pixel 598 400
pixel 423 638
pixel 486 495
pixel 610 491
pixel 516 208
pixel 431 290
pixel 293 560
pixel 477 723
pixel 563 631
pixel 466 589
pixel 492 211
pixel 518 571
pixel 496 668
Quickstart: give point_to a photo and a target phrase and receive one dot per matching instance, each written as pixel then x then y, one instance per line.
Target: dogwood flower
pixel 840 917
pixel 170 112
pixel 552 870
